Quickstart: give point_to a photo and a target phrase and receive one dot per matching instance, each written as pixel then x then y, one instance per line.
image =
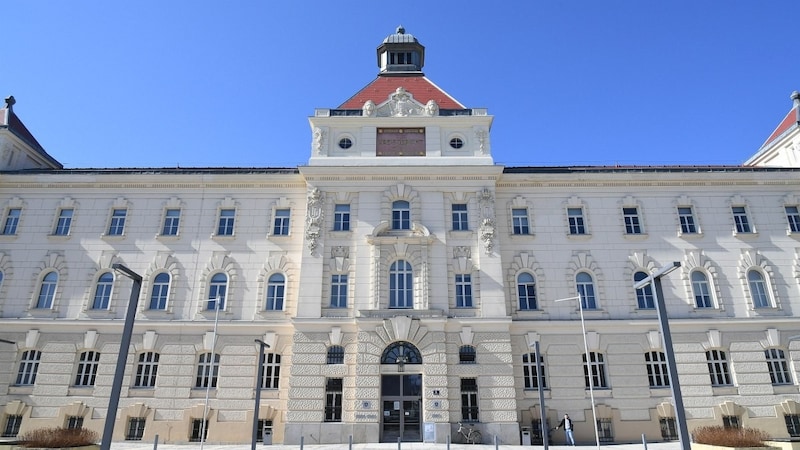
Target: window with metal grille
pixel 778 366
pixel 207 371
pixel 146 370
pixel 731 422
pixel 74 422
pixel 596 366
pixel 272 371
pixel 333 400
pixel 199 430
pixel 466 354
pixel 87 368
pixel 669 429
pixel 28 368
pixel 469 399
pixel 463 284
pixel 657 373
pixel 604 430
pixel 632 223
pixel 792 424
pixel 460 222
pixel 335 354
pixel 530 373
pixel 718 368
pixel 263 425
pixel 135 430
pixel 11 428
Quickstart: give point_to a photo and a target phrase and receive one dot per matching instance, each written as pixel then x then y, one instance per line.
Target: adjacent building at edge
pixel 400 280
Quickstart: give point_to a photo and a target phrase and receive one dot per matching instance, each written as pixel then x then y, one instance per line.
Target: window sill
pixel 725 390
pixel 8 237
pixel 157 313
pixel 200 392
pixel 141 392
pixel 697 235
pixel 579 237
pixel 58 237
pixel 793 234
pixel 113 237
pixel 223 237
pixel 99 313
pixel 167 237
pixel 636 236
pixel 334 312
pixel 272 314
pixel 784 389
pixel 80 390
pixel 750 235
pixel 21 390
pixel 43 313
pixel 766 311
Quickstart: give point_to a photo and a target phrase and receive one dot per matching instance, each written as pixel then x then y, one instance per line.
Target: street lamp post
pixel 540 388
pixel 122 356
pixel 7 342
pixel 259 380
pixel 666 336
pixel 586 365
pixel 211 372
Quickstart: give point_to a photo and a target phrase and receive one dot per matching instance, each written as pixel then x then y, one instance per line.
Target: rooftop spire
pixel 400 53
pixel 10 101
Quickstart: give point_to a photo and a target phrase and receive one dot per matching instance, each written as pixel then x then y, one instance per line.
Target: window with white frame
pixel 341 217
pixel 718 368
pixel 519 221
pixel 401 215
pixel 657 374
pixel 401 285
pixel 160 292
pixel 778 366
pixel 644 295
pixel 333 399
pixel 146 370
pixel 584 284
pixel 526 291
pixel 217 290
pixel 207 370
pixel 88 362
pixel 227 216
pixel 792 424
pixel 47 291
pixel 64 222
pixel 74 422
pixel 28 368
pixel 594 370
pixel 530 372
pixel 758 289
pixel 460 220
pixel 633 224
pixel 469 399
pixel 172 222
pixel 687 220
pixel 701 290
pixel 272 371
pixel 339 291
pixel 577 224
pixel 281 224
pixel 12 426
pixel 793 218
pixel 740 219
pixel 12 220
pixel 102 291
pixel 463 284
pixel 116 226
pixel 276 287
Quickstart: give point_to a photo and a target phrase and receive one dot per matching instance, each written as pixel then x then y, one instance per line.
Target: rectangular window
pixel 793 217
pixel 117 225
pixel 172 221
pixel 13 422
pixel 341 218
pixel 338 291
pixel 469 400
pixel 597 367
pixel 12 220
pixel 740 219
pixel 460 217
pixel 657 373
pixel 686 218
pixel 669 429
pixel 792 424
pixel 730 422
pixel 226 219
pixel 146 370
pixel 281 227
pixel 576 221
pixel 519 221
pixel 64 222
pixel 718 368
pixel 632 223
pixel 135 429
pixel 463 291
pixel 74 422
pixel 207 371
pixel 28 368
pixel 778 366
pixel 333 400
pixel 87 369
pixel 263 425
pixel 604 430
pixel 199 428
pixel 272 371
pixel 530 372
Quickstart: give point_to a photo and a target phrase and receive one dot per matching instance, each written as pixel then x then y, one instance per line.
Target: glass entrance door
pixel 401 396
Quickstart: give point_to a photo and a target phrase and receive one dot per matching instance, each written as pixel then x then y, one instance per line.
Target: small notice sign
pixel 400 142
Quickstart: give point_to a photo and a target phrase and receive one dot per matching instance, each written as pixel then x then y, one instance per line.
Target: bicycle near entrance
pixel 469 435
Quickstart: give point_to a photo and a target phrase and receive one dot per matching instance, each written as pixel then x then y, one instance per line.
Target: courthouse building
pixel 400 280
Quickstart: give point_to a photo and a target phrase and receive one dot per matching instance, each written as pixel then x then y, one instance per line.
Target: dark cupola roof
pixel 400 53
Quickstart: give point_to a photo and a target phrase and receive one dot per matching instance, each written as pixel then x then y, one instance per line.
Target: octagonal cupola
pixel 400 53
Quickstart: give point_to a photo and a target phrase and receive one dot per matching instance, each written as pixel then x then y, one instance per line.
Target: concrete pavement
pixel 391 446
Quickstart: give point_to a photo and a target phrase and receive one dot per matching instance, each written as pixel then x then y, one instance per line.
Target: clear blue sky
pixel 160 83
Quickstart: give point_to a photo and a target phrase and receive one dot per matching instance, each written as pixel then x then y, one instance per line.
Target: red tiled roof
pixel 417 85
pixel 791 119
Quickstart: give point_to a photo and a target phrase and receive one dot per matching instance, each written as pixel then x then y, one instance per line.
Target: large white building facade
pixel 400 280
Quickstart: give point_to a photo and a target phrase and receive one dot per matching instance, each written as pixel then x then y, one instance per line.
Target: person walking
pixel 566 422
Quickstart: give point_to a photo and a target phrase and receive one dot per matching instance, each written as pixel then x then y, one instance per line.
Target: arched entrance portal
pixel 401 394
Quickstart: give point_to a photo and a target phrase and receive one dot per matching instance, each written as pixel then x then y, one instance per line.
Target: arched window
pixel 644 296
pixel 160 293
pixel 47 291
pixel 217 290
pixel 758 289
pixel 401 284
pixel 335 354
pixel 276 287
pixel 526 290
pixel 401 215
pixel 701 290
pixel 102 291
pixel 585 287
pixel 401 352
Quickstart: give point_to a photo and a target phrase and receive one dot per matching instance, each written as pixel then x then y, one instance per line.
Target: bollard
pixel 398 443
pixel 155 443
pixel 448 442
pixel 644 442
pixel 301 442
pixel 496 442
pixel 351 443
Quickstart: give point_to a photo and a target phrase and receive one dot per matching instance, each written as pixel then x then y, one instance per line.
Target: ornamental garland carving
pixel 313 219
pixel 487 227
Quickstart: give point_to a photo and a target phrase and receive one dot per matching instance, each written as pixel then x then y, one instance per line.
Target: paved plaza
pixel 390 446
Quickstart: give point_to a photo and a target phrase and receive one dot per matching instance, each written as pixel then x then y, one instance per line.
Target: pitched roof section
pixel 10 121
pixel 792 120
pixel 417 85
